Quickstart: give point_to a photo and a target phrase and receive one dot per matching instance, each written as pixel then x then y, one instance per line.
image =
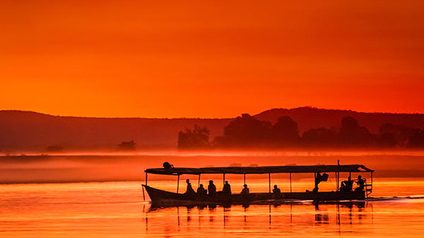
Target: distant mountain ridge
pixel 25 130
pixel 310 117
pixel 34 131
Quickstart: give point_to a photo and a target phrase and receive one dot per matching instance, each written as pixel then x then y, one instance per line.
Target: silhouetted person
pixel 245 191
pixel 167 165
pixel 276 192
pixel 211 189
pixel 343 187
pixel 318 179
pixel 201 191
pixel 361 184
pixel 190 191
pixel 226 189
pixel 347 185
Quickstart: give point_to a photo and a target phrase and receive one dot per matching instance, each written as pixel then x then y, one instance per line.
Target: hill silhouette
pixel 23 130
pixel 309 117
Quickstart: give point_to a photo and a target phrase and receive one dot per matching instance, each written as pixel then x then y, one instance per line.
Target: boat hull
pixel 161 197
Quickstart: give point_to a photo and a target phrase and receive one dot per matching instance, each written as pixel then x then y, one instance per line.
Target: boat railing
pixel 368 187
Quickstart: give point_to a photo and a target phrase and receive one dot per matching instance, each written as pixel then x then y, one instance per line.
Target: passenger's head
pixel 210 181
pixel 275 186
pixel 187 180
pixel 359 176
pixel 245 185
pixel 226 182
pixel 201 185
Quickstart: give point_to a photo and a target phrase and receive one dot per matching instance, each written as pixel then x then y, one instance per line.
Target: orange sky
pixel 210 58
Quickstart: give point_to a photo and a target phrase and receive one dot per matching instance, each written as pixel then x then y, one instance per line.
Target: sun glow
pixel 198 59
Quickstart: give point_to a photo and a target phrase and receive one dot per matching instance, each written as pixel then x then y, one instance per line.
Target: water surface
pixel 118 209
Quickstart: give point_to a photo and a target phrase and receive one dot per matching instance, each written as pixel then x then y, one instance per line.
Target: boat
pixel 160 197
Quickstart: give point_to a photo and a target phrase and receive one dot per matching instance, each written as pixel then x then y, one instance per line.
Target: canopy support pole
pixel 269 183
pixel 198 181
pixel 290 182
pixel 335 175
pixel 338 181
pixel 223 179
pixel 144 196
pixel 244 178
pixel 338 175
pixel 178 182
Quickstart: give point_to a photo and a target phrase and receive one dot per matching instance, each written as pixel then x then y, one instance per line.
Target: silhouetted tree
pixel 285 132
pixel 399 133
pixel 319 137
pixel 196 138
pixel 386 140
pixel 353 135
pixel 248 131
pixel 416 140
pixel 245 131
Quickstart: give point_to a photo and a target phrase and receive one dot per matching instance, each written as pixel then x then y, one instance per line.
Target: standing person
pixel 211 189
pixel 317 181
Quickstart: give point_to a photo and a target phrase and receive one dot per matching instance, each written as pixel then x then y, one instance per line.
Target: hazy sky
pixel 210 58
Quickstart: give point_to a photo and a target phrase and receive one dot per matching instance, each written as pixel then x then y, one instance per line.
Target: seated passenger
pixel 349 184
pixel 226 189
pixel 245 191
pixel 211 189
pixel 361 184
pixel 201 189
pixel 346 185
pixel 276 192
pixel 190 191
pixel 343 187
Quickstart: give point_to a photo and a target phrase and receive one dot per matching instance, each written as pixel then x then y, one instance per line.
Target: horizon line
pixel 197 117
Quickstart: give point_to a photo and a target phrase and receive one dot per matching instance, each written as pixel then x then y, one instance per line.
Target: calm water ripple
pixel 116 209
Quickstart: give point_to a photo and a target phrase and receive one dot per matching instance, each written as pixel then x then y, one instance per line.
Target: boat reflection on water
pixel 275 217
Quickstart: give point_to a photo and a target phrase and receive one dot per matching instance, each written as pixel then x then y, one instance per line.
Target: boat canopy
pixel 261 169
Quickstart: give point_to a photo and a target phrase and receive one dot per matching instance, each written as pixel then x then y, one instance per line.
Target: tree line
pixel 247 131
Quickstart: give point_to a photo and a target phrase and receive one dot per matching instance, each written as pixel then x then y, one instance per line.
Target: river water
pixel 118 209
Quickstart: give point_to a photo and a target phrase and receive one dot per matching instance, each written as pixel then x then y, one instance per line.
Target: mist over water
pixel 95 166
